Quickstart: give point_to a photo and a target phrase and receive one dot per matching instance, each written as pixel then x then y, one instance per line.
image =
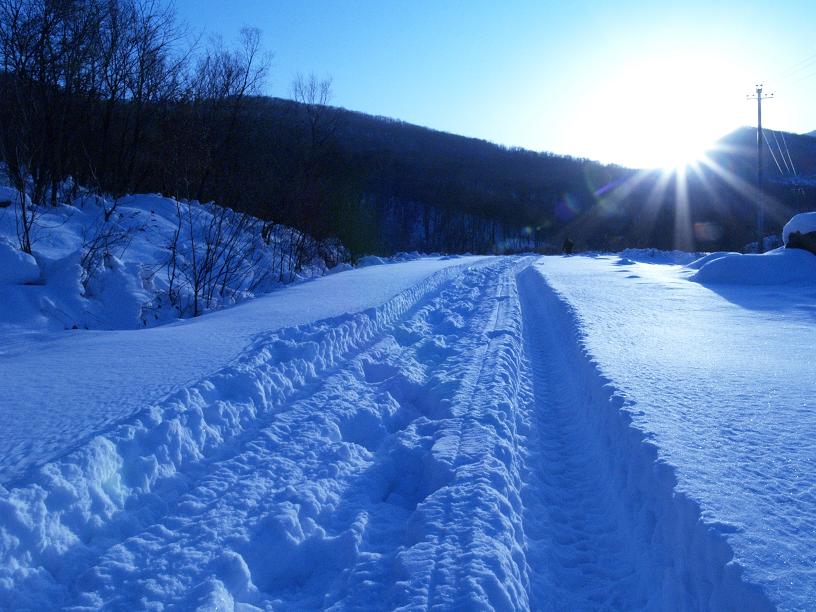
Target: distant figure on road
pixel 567 248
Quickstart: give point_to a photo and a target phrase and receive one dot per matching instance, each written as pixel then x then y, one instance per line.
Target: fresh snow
pixel 503 433
pixel 719 378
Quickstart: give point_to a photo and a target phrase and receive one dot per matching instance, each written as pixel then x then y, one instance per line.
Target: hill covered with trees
pixel 112 96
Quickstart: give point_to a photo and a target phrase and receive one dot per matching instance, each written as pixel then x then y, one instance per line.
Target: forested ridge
pixel 111 95
pixel 383 185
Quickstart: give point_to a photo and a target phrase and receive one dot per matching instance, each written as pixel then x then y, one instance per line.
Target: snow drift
pixel 140 261
pixel 778 267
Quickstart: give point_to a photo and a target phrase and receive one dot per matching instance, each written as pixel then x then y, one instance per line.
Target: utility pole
pixel 760 204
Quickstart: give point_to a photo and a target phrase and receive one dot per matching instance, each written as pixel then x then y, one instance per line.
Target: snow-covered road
pixel 60 389
pixel 501 433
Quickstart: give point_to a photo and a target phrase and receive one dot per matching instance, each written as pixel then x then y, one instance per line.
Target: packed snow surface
pixel 558 433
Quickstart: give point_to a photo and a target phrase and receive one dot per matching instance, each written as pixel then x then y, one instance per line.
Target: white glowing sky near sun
pixel 664 111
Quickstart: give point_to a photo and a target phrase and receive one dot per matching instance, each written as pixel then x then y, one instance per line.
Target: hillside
pixel 383 185
pixel 388 185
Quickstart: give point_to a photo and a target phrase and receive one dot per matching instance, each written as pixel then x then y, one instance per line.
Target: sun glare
pixel 665 112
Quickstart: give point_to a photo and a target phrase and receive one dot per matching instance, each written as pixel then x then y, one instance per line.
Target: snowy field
pixel 597 432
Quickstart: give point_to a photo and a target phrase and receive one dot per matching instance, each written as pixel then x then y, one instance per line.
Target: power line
pixel 758 96
pixel 770 148
pixel 806 63
pixel 781 154
pixel 789 155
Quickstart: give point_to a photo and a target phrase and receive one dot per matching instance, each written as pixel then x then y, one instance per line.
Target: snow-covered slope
pixel 137 261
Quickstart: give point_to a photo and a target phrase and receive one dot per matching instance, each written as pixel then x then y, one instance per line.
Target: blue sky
pixel 630 82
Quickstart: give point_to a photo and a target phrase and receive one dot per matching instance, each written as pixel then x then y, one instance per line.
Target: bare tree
pixel 215 252
pixel 221 82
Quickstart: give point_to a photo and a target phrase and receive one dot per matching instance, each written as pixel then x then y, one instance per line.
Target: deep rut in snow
pixel 604 525
pixel 579 552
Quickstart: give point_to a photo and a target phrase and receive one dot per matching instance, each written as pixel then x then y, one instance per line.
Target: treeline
pixel 382 185
pixel 117 96
pixel 114 95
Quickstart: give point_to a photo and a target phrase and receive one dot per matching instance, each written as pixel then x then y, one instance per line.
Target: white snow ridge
pixel 466 443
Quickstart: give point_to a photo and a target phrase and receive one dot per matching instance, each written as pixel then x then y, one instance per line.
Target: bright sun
pixel 664 112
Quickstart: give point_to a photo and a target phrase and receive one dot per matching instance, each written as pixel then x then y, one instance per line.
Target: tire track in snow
pixel 439 422
pixel 56 525
pixel 295 516
pixel 579 554
pixel 465 547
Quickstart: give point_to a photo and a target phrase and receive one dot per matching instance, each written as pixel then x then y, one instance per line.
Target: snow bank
pixel 778 267
pixel 804 223
pixel 133 262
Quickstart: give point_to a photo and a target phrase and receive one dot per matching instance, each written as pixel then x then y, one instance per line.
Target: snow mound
pixel 803 223
pixel 16 267
pixel 699 263
pixel 778 267
pixel 370 260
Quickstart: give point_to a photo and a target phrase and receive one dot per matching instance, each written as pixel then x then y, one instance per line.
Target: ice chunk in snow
pixel 656 256
pixel 9 196
pixel 341 267
pixel 370 260
pixel 699 263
